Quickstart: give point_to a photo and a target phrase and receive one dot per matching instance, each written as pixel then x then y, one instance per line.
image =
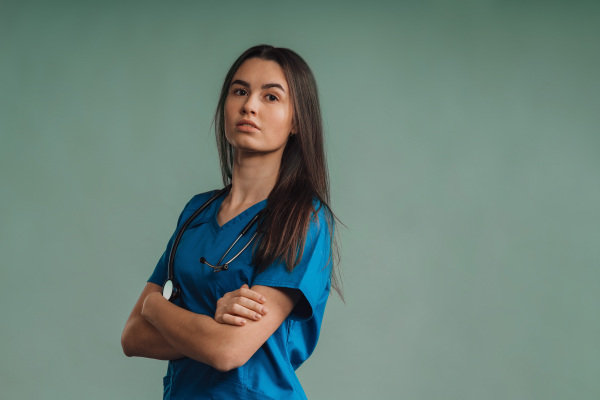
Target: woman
pixel 243 320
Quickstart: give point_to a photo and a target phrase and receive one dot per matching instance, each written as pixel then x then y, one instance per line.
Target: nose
pixel 249 106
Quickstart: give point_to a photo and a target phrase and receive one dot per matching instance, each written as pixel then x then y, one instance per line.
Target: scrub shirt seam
pixel 212 217
pixel 196 223
pixel 199 218
pixel 290 322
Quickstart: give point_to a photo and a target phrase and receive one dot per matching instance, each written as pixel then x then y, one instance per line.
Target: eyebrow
pixel 265 86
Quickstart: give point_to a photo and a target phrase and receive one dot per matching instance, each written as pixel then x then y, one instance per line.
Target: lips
pixel 246 122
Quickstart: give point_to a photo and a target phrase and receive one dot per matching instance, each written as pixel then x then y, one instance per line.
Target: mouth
pixel 246 123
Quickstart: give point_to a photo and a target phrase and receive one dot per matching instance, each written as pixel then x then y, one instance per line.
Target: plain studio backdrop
pixel 464 152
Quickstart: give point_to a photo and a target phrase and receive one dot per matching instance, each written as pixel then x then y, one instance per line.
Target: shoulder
pixel 200 199
pixel 195 203
pixel 312 274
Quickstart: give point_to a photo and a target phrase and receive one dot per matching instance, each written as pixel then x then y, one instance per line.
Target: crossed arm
pixel 159 329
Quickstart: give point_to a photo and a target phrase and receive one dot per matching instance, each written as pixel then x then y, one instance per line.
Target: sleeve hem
pixel 303 311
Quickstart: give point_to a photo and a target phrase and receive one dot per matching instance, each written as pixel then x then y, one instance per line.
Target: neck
pixel 253 177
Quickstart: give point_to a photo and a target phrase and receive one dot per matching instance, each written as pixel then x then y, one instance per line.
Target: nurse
pixel 241 332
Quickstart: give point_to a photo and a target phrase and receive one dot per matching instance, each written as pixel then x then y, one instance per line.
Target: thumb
pixel 245 286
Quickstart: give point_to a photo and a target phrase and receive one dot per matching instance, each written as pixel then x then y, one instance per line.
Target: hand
pixel 236 307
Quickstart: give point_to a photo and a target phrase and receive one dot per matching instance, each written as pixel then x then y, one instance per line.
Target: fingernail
pixel 264 310
pixel 243 322
pixel 257 316
pixel 262 298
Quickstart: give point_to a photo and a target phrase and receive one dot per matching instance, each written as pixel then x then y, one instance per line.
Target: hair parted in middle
pixel 303 176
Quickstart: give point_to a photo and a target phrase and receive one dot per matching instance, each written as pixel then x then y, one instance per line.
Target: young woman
pixel 237 299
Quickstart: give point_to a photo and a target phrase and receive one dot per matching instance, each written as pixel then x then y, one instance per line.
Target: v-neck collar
pixel 242 217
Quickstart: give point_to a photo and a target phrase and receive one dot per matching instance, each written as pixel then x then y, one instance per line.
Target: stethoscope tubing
pixel 171 274
pixel 170 289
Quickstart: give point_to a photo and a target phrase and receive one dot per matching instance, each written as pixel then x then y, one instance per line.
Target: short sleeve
pixel 312 276
pixel 159 276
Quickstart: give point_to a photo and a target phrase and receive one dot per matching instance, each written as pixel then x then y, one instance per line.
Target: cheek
pixel 227 113
pixel 284 121
pixel 227 109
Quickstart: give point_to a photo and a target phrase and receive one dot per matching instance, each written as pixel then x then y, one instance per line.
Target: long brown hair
pixel 303 175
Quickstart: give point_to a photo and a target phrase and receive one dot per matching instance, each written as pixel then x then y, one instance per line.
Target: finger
pixel 251 294
pixel 251 305
pixel 239 310
pixel 233 320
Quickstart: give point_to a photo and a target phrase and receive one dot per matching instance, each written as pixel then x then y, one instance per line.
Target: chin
pixel 244 143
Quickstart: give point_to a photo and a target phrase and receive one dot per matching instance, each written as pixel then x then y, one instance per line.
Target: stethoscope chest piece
pixel 170 290
pixel 216 268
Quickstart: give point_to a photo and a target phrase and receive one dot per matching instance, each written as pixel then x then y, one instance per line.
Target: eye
pixel 272 97
pixel 240 91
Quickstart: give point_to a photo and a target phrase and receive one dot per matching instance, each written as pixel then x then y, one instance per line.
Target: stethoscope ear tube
pixel 170 288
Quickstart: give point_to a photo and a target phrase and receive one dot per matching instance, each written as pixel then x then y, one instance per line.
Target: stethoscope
pixel 172 290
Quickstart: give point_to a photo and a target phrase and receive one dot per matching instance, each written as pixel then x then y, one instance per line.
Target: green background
pixel 464 152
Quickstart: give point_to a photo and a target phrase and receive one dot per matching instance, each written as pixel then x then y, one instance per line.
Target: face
pixel 258 96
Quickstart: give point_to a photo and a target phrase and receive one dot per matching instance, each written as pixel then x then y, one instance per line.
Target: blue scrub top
pixel 270 373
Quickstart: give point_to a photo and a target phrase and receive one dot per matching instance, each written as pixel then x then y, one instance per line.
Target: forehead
pixel 258 72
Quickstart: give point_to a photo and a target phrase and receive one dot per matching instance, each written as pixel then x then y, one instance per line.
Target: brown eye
pixel 239 91
pixel 272 97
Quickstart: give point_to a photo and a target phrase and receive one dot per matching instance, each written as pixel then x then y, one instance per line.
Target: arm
pixel 236 307
pixel 224 347
pixel 141 339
